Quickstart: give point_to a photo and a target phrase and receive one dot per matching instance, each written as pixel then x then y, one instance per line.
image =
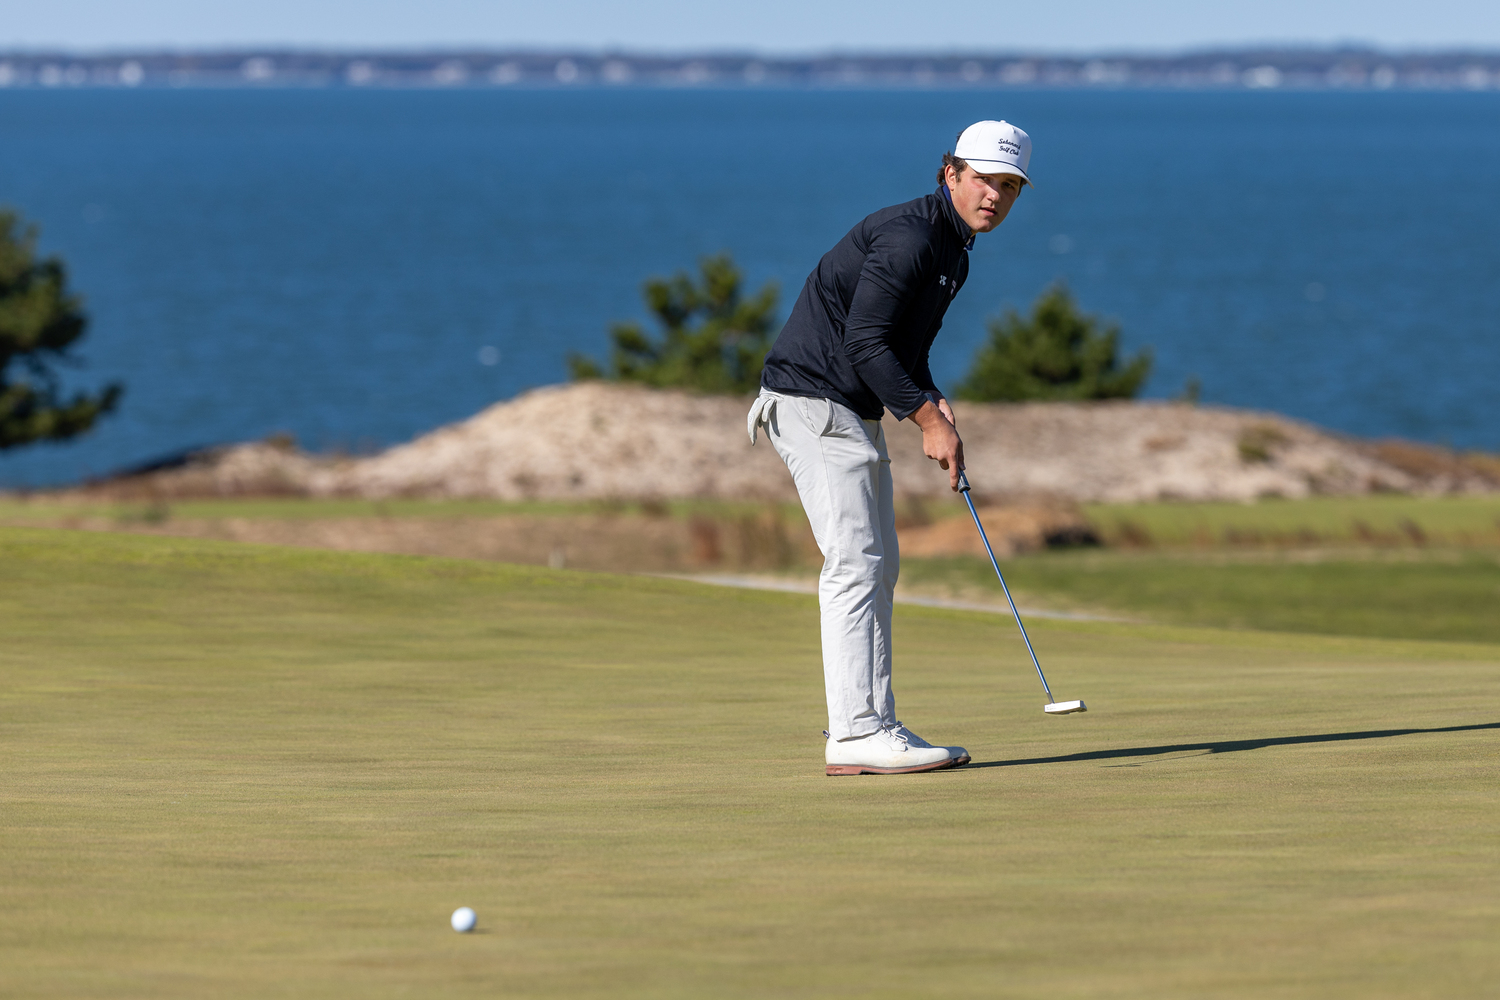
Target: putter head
pixel 1065 707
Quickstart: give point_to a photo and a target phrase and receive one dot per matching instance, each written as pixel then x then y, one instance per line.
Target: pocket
pixel 814 417
pixel 842 422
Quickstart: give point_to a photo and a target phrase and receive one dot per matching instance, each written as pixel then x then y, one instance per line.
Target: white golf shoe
pixel 893 750
pixel 959 754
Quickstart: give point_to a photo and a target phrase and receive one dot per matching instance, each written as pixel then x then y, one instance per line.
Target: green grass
pixel 1452 595
pixel 44 510
pixel 239 771
pixel 1388 566
pixel 1370 520
pixel 1467 521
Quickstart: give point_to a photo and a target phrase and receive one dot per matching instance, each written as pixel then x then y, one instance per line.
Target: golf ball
pixel 463 920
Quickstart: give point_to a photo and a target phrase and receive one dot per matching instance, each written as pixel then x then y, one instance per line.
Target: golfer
pixel 855 345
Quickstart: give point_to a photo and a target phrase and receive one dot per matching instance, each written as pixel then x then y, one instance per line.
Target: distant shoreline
pixel 1251 68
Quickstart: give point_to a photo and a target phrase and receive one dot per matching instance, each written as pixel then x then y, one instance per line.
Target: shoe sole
pixel 841 769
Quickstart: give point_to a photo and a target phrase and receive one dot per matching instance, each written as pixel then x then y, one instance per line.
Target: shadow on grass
pixel 1228 746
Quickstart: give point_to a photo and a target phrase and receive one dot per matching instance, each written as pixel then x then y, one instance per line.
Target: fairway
pixel 241 771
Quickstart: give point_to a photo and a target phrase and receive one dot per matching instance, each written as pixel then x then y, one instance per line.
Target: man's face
pixel 983 200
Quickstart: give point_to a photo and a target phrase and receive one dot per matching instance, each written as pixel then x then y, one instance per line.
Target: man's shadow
pixel 1227 746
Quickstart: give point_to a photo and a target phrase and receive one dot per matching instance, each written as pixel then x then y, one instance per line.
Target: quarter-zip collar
pixel 962 227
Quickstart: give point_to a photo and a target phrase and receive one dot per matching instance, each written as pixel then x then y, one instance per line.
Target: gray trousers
pixel 843 475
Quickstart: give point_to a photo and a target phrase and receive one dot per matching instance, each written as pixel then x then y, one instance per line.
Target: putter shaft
pixel 963 487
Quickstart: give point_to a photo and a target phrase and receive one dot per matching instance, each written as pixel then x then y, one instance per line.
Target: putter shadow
pixel 1226 746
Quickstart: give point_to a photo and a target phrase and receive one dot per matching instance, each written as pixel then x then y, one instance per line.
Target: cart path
pixel 811 587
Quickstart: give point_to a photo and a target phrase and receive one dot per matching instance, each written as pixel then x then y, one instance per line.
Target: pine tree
pixel 1057 353
pixel 723 353
pixel 40 321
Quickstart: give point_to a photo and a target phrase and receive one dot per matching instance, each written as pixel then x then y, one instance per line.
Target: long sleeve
pixel 899 261
pixel 922 375
pixel 862 328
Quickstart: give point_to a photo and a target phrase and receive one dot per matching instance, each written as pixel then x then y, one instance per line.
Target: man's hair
pixel 956 162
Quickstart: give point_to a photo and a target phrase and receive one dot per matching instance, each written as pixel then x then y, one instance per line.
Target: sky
pixel 763 26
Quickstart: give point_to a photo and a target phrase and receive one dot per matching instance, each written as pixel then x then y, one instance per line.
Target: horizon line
pixel 1198 50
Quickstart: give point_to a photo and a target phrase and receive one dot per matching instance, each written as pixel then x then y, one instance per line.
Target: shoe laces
pixel 894 730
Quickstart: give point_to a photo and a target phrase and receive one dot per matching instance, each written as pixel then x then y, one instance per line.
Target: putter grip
pixel 963 482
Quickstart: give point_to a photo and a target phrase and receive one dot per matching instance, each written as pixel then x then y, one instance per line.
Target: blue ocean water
pixel 356 267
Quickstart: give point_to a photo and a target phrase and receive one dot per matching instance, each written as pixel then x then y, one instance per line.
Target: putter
pixel 1052 707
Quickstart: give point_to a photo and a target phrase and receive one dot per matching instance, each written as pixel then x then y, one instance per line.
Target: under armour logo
pixel 942 279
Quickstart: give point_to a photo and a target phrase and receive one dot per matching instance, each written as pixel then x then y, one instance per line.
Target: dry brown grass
pixel 1428 462
pixel 1011 528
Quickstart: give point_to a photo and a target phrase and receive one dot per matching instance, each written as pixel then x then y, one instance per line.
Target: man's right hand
pixel 940 441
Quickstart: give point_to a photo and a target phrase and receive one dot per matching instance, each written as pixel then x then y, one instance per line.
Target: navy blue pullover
pixel 865 321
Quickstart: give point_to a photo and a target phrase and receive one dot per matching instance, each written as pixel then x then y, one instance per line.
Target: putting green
pixel 238 771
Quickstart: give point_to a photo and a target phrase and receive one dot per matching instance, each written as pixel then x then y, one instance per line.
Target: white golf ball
pixel 464 920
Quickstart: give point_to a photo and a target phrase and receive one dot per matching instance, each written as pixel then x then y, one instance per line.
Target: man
pixel 855 344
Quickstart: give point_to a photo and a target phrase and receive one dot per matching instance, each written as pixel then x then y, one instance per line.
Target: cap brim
pixel 997 167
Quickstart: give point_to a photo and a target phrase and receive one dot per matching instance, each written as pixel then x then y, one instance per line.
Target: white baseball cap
pixel 995 148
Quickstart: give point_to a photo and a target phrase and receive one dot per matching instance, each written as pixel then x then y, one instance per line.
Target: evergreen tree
pixel 723 353
pixel 40 321
pixel 1057 353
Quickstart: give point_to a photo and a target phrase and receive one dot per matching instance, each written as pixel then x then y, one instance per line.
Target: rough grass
pixel 1445 595
pixel 237 771
pixel 1379 521
pixel 48 509
pixel 1390 566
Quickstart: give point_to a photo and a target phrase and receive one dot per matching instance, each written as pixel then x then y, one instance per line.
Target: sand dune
pixel 599 440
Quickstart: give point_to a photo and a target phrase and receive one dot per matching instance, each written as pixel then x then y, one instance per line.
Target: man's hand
pixel 940 442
